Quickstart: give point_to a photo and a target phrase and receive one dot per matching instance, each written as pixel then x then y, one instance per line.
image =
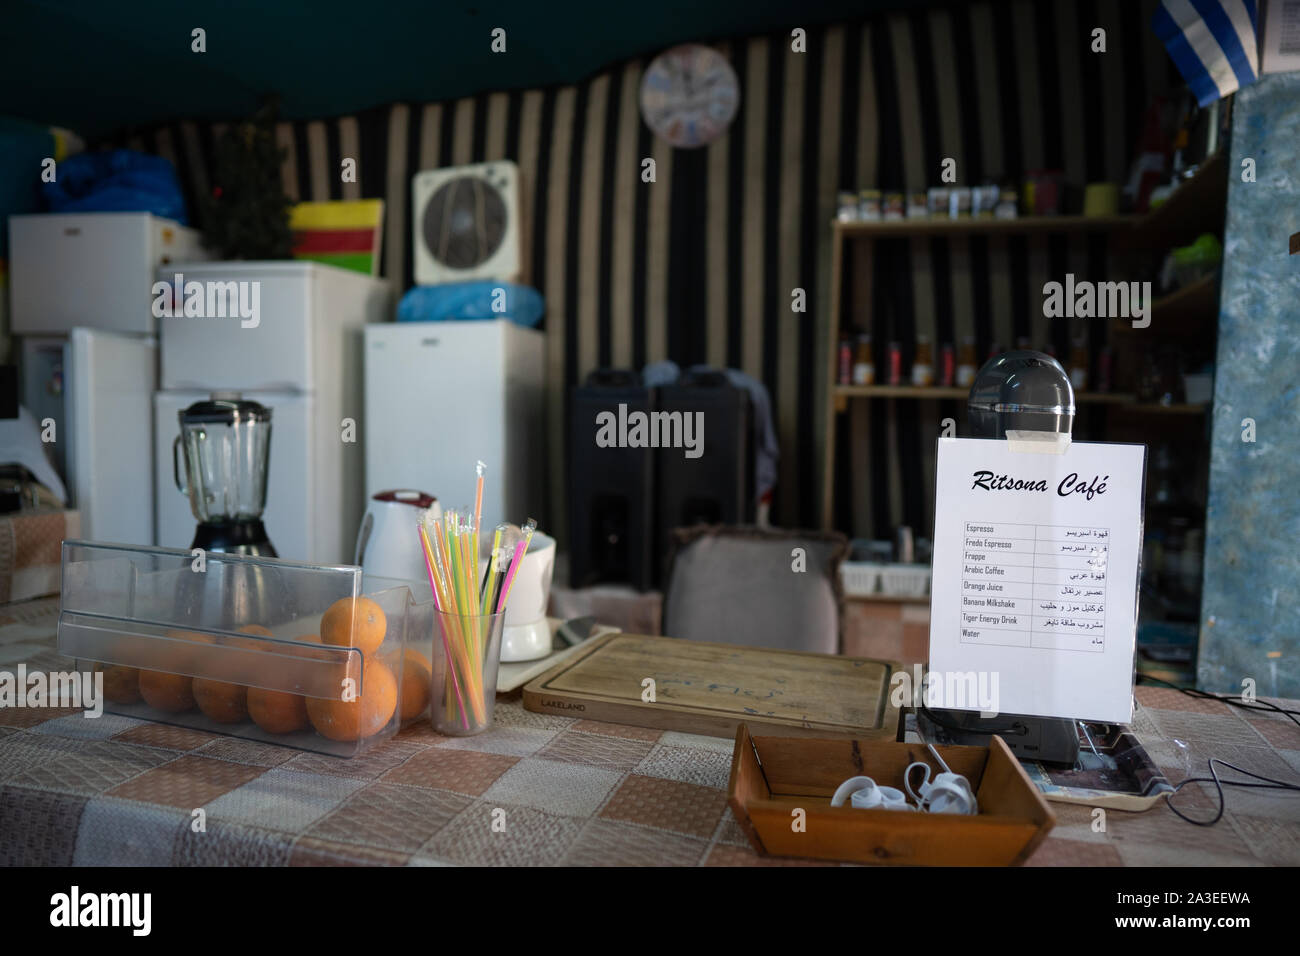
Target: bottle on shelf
pixel 895 364
pixel 967 363
pixel 923 363
pixel 864 364
pixel 947 376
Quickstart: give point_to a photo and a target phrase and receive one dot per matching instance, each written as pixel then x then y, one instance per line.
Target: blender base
pixel 234 537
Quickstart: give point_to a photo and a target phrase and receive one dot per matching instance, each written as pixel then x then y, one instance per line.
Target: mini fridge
pixel 302 360
pixel 96 388
pixel 441 396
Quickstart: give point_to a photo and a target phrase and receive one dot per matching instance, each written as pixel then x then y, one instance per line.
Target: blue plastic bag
pixel 119 180
pixel 478 299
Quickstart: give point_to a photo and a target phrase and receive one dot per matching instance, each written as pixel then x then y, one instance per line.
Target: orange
pixel 417 680
pixel 276 711
pixel 183 653
pixel 363 717
pixel 245 670
pixel 122 684
pixel 286 667
pixel 224 702
pixel 245 644
pixel 170 693
pixel 354 622
pixel 256 630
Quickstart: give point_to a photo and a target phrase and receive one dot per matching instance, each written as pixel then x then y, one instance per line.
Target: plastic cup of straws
pixel 467 650
pixel 470 612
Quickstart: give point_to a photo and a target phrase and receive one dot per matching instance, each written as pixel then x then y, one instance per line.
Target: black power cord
pixel 1233 700
pixel 1271 784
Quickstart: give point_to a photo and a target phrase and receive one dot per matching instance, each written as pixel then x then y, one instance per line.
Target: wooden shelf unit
pixel 1187 315
pixel 1197 206
pixel 983 226
pixel 940 393
pixel 1196 300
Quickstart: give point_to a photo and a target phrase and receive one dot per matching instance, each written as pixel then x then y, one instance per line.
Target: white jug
pixel 388 544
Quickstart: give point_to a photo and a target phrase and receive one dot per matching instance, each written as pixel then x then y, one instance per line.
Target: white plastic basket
pixel 860 578
pixel 904 580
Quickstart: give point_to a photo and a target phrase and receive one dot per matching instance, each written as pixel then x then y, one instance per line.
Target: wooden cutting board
pixel 513 675
pixel 703 688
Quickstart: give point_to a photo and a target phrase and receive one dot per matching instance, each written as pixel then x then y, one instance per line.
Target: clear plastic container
pixel 467 652
pixel 303 655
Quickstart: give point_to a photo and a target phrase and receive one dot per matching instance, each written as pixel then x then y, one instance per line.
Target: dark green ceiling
pixel 102 66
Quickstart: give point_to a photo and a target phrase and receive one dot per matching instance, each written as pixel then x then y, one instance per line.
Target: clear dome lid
pixel 1021 390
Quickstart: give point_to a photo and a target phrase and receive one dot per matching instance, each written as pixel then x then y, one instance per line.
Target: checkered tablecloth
pixel 534 790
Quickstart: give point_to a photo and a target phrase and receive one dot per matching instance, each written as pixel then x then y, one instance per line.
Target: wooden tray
pixel 704 688
pixel 772 777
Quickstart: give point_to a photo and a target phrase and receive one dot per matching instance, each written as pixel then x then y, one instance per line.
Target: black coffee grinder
pixel 1020 391
pixel 225 442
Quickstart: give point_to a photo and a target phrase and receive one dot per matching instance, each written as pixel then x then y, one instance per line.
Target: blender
pixel 225 442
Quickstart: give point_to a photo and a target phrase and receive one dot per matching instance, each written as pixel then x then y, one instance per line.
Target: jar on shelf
pixel 869 205
pixel 846 206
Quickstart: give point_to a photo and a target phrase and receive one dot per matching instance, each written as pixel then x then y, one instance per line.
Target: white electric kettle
pixel 388 544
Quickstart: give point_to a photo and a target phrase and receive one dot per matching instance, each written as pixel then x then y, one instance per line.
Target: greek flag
pixel 1212 43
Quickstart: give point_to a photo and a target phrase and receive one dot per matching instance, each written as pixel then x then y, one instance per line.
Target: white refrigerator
pixel 302 360
pixel 96 387
pixel 441 396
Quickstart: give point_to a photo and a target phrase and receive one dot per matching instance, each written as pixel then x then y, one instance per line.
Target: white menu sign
pixel 1034 587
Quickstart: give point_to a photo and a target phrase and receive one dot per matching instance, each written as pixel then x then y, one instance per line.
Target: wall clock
pixel 689 95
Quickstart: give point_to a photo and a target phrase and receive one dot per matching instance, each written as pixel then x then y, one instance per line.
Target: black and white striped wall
pixel 699 266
